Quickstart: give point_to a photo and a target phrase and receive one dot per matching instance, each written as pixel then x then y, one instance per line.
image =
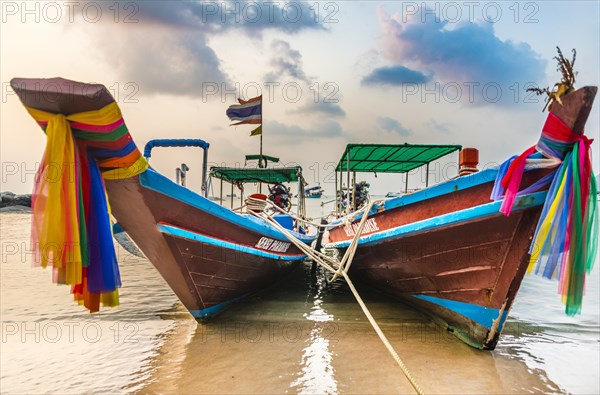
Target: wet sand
pixel 315 339
pixel 301 336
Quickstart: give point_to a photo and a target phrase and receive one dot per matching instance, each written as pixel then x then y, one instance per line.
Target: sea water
pixel 300 336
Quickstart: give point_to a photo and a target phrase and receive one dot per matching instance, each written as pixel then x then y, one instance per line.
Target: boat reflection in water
pixel 317 374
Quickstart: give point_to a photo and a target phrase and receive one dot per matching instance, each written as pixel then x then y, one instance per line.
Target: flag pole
pixel 260 164
pixel 261 151
pixel 261 134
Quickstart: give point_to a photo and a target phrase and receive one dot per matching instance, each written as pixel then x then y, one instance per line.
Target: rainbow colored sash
pixel 566 238
pixel 71 226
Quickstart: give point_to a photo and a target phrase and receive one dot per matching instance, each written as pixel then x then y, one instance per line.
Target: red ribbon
pixel 554 129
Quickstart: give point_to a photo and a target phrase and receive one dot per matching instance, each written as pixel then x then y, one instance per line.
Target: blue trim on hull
pixel 116 228
pixel 457 217
pixel 214 310
pixel 457 184
pixel 482 315
pixel 186 234
pixel 157 182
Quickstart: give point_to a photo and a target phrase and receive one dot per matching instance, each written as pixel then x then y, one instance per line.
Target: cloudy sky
pixel 330 72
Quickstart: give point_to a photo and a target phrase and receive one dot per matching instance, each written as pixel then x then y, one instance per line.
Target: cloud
pixel 438 126
pixel 367 61
pixel 465 52
pixel 179 65
pixel 321 107
pixel 168 51
pixel 327 129
pixel 391 125
pixel 395 75
pixel 216 17
pixel 286 62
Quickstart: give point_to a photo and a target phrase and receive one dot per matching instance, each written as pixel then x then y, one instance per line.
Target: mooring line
pixel 342 267
pixel 382 337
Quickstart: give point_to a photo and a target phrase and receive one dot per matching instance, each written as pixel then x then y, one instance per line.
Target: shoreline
pixel 16 209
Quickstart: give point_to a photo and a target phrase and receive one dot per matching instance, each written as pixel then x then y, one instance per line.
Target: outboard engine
pixel 280 196
pixel 361 192
pixel 341 201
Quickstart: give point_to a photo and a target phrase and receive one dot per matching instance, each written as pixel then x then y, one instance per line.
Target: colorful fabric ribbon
pixel 71 227
pixel 566 238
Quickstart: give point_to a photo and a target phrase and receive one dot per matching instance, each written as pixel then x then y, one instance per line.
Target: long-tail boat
pixel 209 255
pixel 460 249
pixel 314 192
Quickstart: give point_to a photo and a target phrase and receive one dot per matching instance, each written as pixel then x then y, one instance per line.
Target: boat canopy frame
pixel 266 158
pixel 263 175
pixel 385 158
pixel 183 143
pixel 268 175
pixel 391 158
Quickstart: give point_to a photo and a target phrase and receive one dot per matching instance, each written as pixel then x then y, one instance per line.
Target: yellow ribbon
pixel 59 240
pixel 104 116
pixel 56 219
pixel 546 226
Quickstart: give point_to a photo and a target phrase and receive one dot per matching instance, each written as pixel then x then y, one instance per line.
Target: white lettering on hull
pixel 369 227
pixel 272 245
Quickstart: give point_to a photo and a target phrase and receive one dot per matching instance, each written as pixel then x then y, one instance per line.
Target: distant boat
pixel 447 249
pixel 314 192
pixel 209 255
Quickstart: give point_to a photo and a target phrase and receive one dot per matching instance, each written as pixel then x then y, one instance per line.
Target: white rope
pixel 349 255
pixel 383 338
pixel 256 205
pixel 341 268
pixel 251 201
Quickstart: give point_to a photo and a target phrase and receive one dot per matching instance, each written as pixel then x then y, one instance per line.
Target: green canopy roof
pixel 238 175
pixel 391 158
pixel 267 157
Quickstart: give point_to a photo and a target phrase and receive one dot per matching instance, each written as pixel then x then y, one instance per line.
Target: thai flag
pixel 248 111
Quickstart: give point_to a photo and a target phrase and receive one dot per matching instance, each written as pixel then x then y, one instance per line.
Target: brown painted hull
pixel 216 265
pixel 464 273
pixel 221 276
pixel 480 263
